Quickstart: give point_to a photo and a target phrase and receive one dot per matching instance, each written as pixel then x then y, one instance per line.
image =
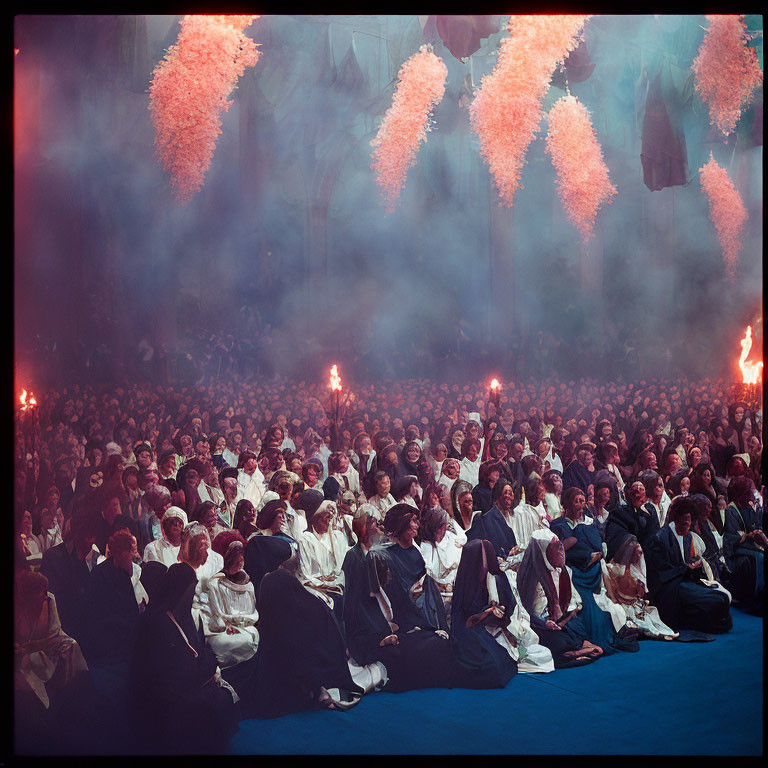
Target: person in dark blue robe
pixel 577 474
pixel 487 663
pixel 744 545
pixel 583 553
pixel 492 526
pixel 418 596
pixel 630 519
pixel 713 553
pixel 675 582
pixel 482 493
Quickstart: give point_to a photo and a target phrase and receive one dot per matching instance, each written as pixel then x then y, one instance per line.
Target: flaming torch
pixel 750 370
pixel 335 384
pixel 495 395
pixel 28 419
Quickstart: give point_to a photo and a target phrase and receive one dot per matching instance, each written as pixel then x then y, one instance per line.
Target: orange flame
pixel 750 371
pixel 23 400
pixel 15 51
pixel 335 379
pixel 27 400
pixel 495 384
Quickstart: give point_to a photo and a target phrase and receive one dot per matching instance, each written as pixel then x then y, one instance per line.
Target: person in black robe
pixel 631 519
pixel 114 612
pixel 492 525
pixel 301 651
pixel 675 581
pixel 418 595
pixel 482 493
pixel 577 474
pixel 175 676
pixel 744 545
pixel 713 553
pixel 487 663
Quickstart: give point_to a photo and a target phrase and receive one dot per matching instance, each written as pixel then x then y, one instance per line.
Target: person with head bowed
pixel 606 622
pixel 553 603
pixel 679 582
pixel 626 583
pixel 176 679
pixel 302 659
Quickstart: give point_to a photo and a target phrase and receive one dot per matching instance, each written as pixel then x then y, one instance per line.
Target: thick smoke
pixel 290 223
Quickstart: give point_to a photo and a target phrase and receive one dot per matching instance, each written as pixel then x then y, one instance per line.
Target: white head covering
pixel 113 448
pixel 543 538
pixel 268 496
pixel 176 512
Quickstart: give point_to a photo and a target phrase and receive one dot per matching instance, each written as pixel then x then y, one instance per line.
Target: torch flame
pixel 750 371
pixel 23 399
pixel 495 384
pixel 335 379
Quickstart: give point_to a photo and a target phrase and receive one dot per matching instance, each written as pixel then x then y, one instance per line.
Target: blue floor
pixel 669 699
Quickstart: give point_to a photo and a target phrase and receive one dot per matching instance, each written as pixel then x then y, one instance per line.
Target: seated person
pixel 584 556
pixel 481 642
pixel 176 679
pixel 166 549
pixel 631 519
pixel 627 586
pixel 553 603
pixel 677 580
pixel 302 659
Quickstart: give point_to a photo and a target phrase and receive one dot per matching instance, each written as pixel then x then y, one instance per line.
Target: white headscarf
pixel 543 538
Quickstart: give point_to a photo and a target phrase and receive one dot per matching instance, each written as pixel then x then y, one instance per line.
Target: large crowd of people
pixel 186 558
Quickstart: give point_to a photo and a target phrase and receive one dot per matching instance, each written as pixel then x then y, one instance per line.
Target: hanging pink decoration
pixel 727 70
pixel 726 211
pixel 189 90
pixel 582 175
pixel 420 88
pixel 507 109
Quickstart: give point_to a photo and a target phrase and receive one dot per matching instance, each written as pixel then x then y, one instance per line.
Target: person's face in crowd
pixel 285 490
pixel 543 448
pixel 236 566
pixel 412 453
pixel 493 478
pixel 198 550
pixel 648 460
pixel 685 486
pixel 584 457
pixel 606 430
pixel 322 521
pixel 410 533
pixel 472 451
pixel 683 524
pixel 738 414
pixel 186 445
pixel 230 488
pixel 202 449
pixel 738 468
pixel 148 480
pixel 131 481
pixel 124 558
pixel 250 465
pixel 556 553
pixel 516 452
pixel 602 496
pixel 221 444
pixel 541 493
pixel 382 486
pixel 173 529
pixel 209 517
pixel 500 450
pixel 143 459
pixel 192 478
pixel 112 509
pixel 457 439
pixel 52 499
pixel 674 463
pixel 658 491
pixel 466 503
pixel 365 445
pixel 506 499
pixel 441 452
pixel 451 469
pixel 576 507
pixel 753 444
pixel 433 500
pixel 343 463
pixel 168 466
pixel 26 523
pixel 636 494
pixel 312 476
pixel 694 457
pixel 47 519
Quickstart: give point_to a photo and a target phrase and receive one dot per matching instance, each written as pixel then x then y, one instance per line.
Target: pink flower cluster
pixel 726 211
pixel 420 88
pixel 582 176
pixel 727 70
pixel 189 90
pixel 507 109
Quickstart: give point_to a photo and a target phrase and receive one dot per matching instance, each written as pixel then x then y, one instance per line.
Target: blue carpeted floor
pixel 669 699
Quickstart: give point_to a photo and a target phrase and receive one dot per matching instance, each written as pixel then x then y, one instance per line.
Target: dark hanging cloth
pixel 627 521
pixel 463 35
pixel 663 153
pixel 301 649
pixel 745 561
pixel 114 617
pixel 172 676
pixel 492 527
pixel 420 659
pixel 588 580
pixel 683 601
pixel 577 67
pixel 263 554
pixel 425 610
pixel 481 661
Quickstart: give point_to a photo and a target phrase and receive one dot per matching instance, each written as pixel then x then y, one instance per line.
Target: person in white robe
pixel 166 549
pixel 382 500
pixel 196 550
pixel 250 480
pixel 231 632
